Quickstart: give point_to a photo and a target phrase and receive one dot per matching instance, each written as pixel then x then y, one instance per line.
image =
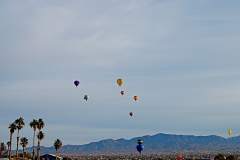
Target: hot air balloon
pixel 229 132
pixel 131 114
pixel 140 146
pixel 140 141
pixel 122 93
pixel 86 97
pixel 135 98
pixel 120 82
pixel 76 83
pixel 180 157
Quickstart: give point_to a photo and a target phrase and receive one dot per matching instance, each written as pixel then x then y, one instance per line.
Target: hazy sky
pixel 180 57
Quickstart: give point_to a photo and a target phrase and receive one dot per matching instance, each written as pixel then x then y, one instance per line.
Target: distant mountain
pixel 159 143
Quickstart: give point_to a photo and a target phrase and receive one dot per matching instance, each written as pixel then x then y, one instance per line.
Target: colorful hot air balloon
pixel 76 83
pixel 229 132
pixel 122 93
pixel 120 82
pixel 86 97
pixel 140 146
pixel 140 141
pixel 180 157
pixel 131 114
pixel 135 98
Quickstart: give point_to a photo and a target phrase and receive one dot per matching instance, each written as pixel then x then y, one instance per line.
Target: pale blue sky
pixel 180 57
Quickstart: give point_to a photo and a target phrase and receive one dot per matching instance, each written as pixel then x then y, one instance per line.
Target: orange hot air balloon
pixel 135 98
pixel 120 82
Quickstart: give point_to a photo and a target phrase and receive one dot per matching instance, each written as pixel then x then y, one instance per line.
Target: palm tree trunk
pixel 34 135
pixel 56 154
pixel 38 150
pixel 17 143
pixel 23 152
pixel 0 151
pixel 10 147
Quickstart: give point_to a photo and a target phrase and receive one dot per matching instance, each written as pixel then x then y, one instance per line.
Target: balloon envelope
pixel 122 93
pixel 76 83
pixel 229 132
pixel 140 141
pixel 86 97
pixel 139 148
pixel 135 98
pixel 131 114
pixel 120 82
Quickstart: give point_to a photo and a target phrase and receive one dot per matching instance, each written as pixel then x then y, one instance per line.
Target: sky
pixel 180 57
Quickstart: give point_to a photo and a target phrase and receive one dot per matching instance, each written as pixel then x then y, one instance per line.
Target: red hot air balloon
pixel 76 83
pixel 180 157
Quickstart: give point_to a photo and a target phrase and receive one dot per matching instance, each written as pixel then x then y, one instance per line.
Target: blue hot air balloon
pixel 76 83
pixel 140 146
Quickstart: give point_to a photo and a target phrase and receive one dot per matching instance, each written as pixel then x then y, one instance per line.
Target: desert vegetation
pixel 154 157
pixel 6 150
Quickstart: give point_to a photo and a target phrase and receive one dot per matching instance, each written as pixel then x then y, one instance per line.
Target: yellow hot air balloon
pixel 135 98
pixel 229 132
pixel 120 82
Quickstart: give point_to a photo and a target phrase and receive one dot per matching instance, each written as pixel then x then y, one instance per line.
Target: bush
pixel 219 157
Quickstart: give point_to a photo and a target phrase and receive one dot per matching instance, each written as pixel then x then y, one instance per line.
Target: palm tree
pixel 20 124
pixel 57 145
pixel 34 125
pixel 12 127
pixel 2 148
pixel 8 146
pixel 40 124
pixel 40 137
pixel 24 143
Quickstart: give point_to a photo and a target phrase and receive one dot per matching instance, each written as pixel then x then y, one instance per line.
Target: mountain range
pixel 159 143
